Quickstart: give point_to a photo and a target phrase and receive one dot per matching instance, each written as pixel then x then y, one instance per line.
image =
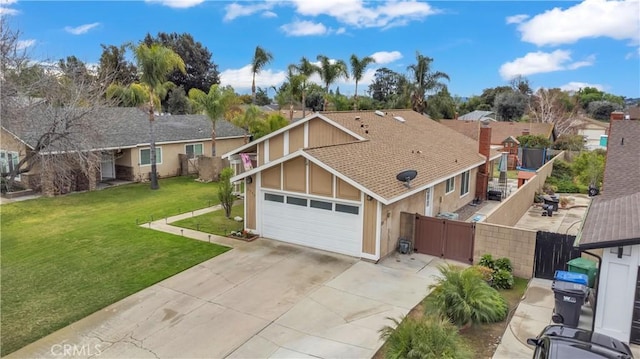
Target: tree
pixel 510 106
pixel 357 71
pixel 155 62
pixel 330 71
pixel 262 98
pixel 261 58
pixel 601 110
pixel 522 85
pixel 201 71
pixel 390 89
pixel 265 126
pixel 113 64
pixel 569 142
pixel 178 102
pixel 59 122
pixel 589 167
pixel 534 141
pixel 74 69
pixel 552 106
pixel 441 105
pixel 134 95
pixel 291 90
pixel 214 104
pixel 488 97
pixel 425 81
pixel 305 69
pixel 225 191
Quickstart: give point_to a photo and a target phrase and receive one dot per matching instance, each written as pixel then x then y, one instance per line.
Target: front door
pixel 107 167
pixel 428 205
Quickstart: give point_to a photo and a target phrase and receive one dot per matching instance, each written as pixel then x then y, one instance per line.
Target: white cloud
pixel 177 4
pixel 633 54
pixel 304 28
pixel 268 14
pixel 4 10
pixel 516 19
pixel 619 20
pixel 236 10
pixel 575 86
pixel 23 44
pixel 385 57
pixel 82 29
pixel 240 79
pixel 541 62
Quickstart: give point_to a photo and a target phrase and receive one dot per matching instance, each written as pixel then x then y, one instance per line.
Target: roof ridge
pixel 337 144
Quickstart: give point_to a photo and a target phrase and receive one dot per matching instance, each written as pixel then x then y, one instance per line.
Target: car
pixel 559 341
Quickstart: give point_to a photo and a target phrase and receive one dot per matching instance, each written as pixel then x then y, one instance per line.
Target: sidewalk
pixel 531 317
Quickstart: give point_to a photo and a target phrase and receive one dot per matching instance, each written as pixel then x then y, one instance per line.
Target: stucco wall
pixel 501 241
pixel 391 214
pixel 451 202
pixel 518 203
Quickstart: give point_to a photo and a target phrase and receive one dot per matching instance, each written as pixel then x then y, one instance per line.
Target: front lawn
pixel 214 222
pixel 64 258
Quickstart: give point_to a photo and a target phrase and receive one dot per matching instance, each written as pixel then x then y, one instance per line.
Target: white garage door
pixel 327 225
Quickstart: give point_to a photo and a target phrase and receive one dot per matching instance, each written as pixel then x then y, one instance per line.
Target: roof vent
pixel 379 113
pixel 399 119
pixel 357 118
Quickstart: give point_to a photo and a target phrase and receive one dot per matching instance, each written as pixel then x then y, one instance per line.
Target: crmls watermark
pixel 72 350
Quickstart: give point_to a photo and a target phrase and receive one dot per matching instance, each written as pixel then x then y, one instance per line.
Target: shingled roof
pixel 500 130
pixel 122 127
pixel 397 141
pixel 612 218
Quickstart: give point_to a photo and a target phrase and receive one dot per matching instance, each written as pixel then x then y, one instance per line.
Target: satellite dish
pixel 406 177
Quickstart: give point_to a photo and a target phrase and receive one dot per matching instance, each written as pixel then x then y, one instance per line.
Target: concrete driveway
pixel 261 299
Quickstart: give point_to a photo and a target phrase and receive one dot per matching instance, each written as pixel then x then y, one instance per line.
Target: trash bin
pixel 584 266
pixel 571 277
pixel 569 298
pixel 551 200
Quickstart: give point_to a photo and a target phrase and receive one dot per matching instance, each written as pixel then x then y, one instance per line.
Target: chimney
pixel 525 132
pixel 616 115
pixel 484 148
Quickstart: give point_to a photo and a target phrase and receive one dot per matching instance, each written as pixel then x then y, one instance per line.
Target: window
pixel 297 201
pixel 451 185
pixel 273 197
pixel 145 156
pixel 321 205
pixel 464 183
pixel 193 150
pixel 346 209
pixel 9 161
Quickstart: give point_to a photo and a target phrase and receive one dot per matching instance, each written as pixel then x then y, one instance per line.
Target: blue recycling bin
pixel 571 277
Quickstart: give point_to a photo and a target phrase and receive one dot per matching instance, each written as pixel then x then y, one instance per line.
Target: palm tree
pixel 305 69
pixel 155 63
pixel 357 71
pixel 425 81
pixel 260 58
pixel 330 71
pixel 214 104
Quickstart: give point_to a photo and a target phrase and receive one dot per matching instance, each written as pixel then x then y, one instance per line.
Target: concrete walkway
pixel 531 317
pixel 262 299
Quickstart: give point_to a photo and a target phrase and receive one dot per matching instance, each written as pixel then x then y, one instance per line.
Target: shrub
pixel 502 279
pixel 425 337
pixel 504 264
pixel 463 297
pixel 485 273
pixel 487 261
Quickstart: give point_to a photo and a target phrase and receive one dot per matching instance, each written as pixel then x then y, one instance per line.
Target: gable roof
pixel 388 144
pixel 612 218
pixel 500 130
pixel 122 127
pixel 477 115
pixel 634 112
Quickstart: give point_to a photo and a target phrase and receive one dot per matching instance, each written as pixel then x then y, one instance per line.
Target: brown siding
pixel 260 154
pixel 276 147
pixel 250 203
pixel 452 202
pixel 271 177
pixel 295 177
pixel 390 229
pixel 369 228
pixel 346 191
pixel 224 145
pixel 320 181
pixel 323 134
pixel 296 138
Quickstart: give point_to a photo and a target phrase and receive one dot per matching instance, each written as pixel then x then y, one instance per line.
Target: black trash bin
pixel 569 298
pixel 552 201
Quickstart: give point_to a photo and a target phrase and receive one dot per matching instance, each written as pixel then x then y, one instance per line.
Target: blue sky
pixel 480 44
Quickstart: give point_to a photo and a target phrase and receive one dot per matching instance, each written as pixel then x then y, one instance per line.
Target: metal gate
pixel 444 238
pixel 553 251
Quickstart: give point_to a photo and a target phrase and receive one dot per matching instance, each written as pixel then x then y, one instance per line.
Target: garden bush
pixel 423 338
pixel 487 261
pixel 502 279
pixel 463 297
pixel 504 263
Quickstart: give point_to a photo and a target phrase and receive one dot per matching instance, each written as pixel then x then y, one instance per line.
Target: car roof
pixel 570 348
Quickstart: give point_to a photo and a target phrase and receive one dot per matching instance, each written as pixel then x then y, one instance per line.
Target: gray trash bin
pixel 569 298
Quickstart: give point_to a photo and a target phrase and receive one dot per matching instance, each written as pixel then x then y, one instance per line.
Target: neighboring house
pixel 328 181
pixel 477 115
pixel 593 131
pixel 122 142
pixel 634 112
pixel 612 224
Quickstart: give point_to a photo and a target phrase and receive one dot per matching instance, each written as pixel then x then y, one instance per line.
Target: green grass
pixel 64 258
pixel 511 174
pixel 214 222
